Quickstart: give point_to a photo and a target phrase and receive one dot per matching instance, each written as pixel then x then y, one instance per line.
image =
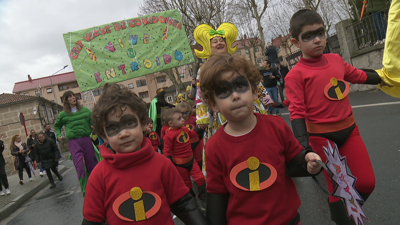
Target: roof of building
pixel 246 42
pixel 6 98
pixel 278 41
pixel 44 81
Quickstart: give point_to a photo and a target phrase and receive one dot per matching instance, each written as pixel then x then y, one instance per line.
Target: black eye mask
pixel 310 35
pixel 128 121
pixel 238 84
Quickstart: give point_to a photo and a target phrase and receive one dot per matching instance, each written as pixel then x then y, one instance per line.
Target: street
pixel 379 126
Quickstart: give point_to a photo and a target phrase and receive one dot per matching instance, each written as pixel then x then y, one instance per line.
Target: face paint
pixel 310 35
pixel 126 122
pixel 238 84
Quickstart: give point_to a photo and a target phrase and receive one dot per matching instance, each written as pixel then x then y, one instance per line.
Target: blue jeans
pixel 273 92
pixel 379 24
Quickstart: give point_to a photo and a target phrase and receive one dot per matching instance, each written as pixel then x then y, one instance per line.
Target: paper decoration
pixel 127 49
pixel 337 166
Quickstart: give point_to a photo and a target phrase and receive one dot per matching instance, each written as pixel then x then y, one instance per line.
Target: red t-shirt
pixel 155 141
pixel 164 130
pixel 117 174
pixel 177 142
pixel 271 142
pixel 306 87
pixel 191 120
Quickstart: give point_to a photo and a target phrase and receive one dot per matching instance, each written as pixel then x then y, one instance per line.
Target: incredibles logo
pixel 137 205
pixel 189 126
pixel 251 175
pixel 183 137
pixel 336 89
pixel 153 136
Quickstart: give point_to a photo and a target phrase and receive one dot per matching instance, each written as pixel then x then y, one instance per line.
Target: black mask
pixel 238 84
pixel 310 35
pixel 128 121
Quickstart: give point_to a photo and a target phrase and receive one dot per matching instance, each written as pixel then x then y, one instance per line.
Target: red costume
pixel 317 89
pixel 155 141
pixel 198 151
pixel 164 130
pixel 177 146
pixel 269 198
pixel 107 192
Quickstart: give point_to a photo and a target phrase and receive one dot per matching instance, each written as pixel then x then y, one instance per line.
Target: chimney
pixel 29 78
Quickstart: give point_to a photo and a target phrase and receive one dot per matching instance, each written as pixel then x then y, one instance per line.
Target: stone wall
pixel 10 125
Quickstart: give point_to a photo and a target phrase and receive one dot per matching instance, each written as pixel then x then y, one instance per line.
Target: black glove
pixel 372 77
pixel 300 131
pixel 217 205
pixel 186 209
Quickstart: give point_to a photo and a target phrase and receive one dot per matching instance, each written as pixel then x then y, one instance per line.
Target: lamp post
pixel 52 87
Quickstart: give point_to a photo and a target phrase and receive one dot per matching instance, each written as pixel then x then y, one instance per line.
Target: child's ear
pixel 213 105
pixel 169 123
pixel 295 42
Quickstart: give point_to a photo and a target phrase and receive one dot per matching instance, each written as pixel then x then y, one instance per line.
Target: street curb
pixel 11 207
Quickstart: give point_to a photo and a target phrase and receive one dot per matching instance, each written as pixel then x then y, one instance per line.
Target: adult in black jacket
pixel 272 55
pixel 283 71
pixel 3 175
pixel 46 153
pixel 31 144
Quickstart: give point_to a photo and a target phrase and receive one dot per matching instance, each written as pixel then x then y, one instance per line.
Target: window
pixel 258 60
pixel 238 52
pixel 61 88
pixel 247 51
pixel 38 93
pixel 50 113
pixel 27 93
pixel 49 90
pixel 161 79
pixel 181 75
pixel 170 99
pixel 144 95
pixel 257 49
pixel 141 83
pixel 130 86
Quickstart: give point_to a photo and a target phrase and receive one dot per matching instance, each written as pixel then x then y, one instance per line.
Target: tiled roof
pixel 13 98
pixel 240 43
pixel 44 81
pixel 278 41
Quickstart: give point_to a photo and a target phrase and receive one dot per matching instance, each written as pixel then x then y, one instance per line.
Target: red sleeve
pixel 193 136
pixel 215 175
pixel 168 143
pixel 93 205
pixel 292 145
pixel 354 75
pixel 174 187
pixel 294 88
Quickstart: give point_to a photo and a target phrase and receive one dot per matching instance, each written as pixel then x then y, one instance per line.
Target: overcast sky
pixel 31 40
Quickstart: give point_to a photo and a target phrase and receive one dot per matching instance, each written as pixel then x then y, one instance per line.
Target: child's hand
pixel 312 166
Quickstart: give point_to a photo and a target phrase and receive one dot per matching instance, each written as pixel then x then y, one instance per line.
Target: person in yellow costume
pixel 390 73
pixel 215 41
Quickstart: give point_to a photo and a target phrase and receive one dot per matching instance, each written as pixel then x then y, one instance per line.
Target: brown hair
pixel 302 18
pixel 67 108
pixel 12 141
pixel 183 105
pixel 116 99
pixel 210 74
pixel 169 113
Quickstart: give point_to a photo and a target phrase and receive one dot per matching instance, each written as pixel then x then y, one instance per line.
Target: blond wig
pixel 204 33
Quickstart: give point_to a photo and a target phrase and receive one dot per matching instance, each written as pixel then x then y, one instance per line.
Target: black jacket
pixel 284 70
pixel 46 153
pixel 272 54
pixel 268 82
pixel 31 141
pixel 51 135
pixel 2 161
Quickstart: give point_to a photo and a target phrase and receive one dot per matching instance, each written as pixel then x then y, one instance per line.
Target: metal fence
pixel 371 30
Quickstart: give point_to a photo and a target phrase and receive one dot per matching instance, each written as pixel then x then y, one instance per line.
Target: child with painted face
pixel 252 156
pixel 132 183
pixel 320 111
pixel 177 147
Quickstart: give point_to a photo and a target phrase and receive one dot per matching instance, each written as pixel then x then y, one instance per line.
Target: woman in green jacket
pixel 77 121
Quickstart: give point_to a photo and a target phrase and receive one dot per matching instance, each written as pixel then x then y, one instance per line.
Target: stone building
pixel 37 112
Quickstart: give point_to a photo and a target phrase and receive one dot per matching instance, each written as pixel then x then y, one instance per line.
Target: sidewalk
pixel 21 193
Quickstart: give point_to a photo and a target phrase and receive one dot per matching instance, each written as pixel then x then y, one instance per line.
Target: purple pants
pixel 82 153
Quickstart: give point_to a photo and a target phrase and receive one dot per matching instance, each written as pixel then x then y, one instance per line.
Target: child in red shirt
pixel 177 147
pixel 152 135
pixel 250 159
pixel 132 183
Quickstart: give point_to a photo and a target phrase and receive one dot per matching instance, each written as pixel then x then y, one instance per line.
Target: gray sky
pixel 31 40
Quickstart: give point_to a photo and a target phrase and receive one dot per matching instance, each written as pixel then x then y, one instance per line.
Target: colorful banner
pixel 127 49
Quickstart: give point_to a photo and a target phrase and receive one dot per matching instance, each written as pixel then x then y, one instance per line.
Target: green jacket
pixel 76 125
